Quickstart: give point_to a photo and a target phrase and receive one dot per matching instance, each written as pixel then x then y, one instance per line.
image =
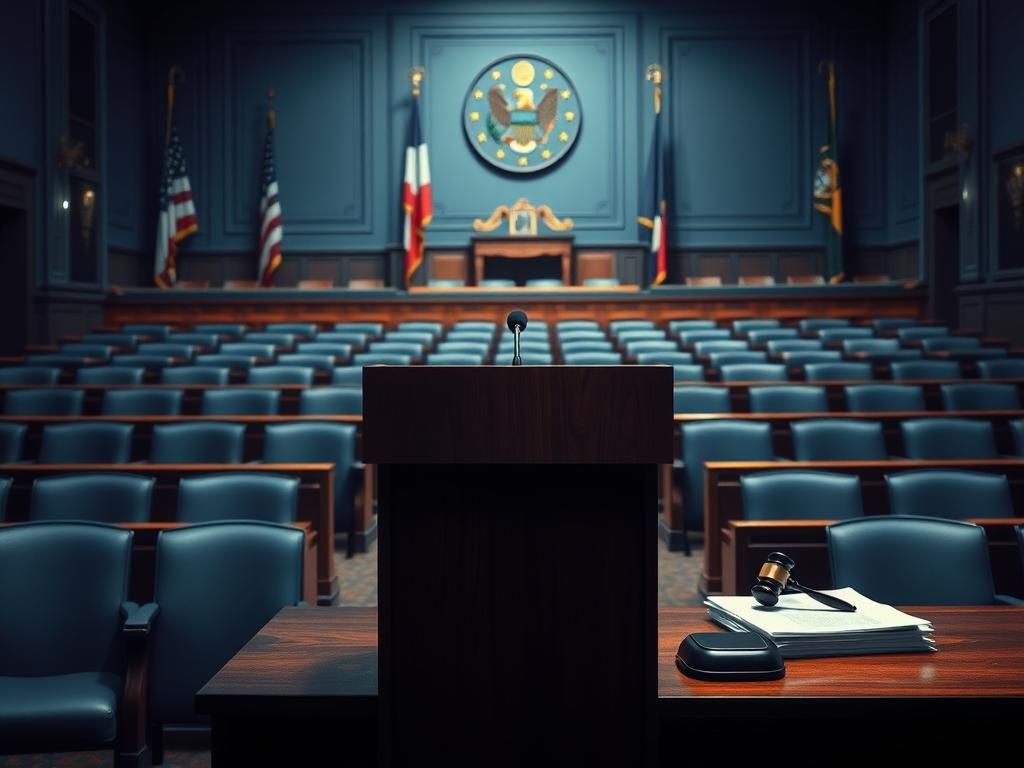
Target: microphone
pixel 516 322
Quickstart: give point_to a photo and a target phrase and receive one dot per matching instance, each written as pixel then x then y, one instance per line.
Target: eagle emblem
pixel 522 114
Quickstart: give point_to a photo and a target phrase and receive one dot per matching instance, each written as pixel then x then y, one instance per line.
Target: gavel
pixel 776 578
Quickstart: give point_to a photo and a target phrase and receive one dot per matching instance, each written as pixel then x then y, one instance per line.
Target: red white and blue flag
pixel 653 208
pixel 271 231
pixel 415 194
pixel 177 212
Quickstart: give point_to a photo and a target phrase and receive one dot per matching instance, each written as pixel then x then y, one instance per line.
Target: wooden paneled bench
pixel 315 509
pixel 723 503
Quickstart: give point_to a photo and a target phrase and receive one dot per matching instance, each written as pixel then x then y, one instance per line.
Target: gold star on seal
pixel 478 94
pixel 563 136
pixel 522 161
pixel 570 116
pixel 543 86
pixel 548 74
pixel 481 137
pixel 566 94
pixel 546 154
pixel 496 75
pixel 500 154
pixel 474 116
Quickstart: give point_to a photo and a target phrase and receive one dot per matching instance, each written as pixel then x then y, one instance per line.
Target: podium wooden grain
pixel 518 568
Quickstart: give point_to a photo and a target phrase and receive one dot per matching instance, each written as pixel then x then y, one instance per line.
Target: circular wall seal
pixel 522 114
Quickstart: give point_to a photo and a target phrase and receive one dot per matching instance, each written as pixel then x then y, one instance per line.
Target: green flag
pixel 828 195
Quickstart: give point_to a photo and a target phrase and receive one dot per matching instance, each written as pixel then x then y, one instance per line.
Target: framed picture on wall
pixel 1009 206
pixel 522 220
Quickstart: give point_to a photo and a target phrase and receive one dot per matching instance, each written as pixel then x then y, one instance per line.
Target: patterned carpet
pixel 677 586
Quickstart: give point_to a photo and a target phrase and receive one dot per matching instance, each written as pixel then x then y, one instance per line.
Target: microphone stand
pixel 516 359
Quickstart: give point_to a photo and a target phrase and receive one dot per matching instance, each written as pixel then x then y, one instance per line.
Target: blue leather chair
pixel 566 335
pixel 196 374
pixel 475 325
pixel 424 339
pixel 62 673
pixel 544 282
pixel 788 399
pixel 271 338
pixel 838 440
pixel 471 337
pixel 753 324
pixel 664 357
pixel 371 329
pixel 110 374
pixel 238 496
pixel 678 326
pixel 434 327
pixel 812 324
pixel 842 334
pixel 950 343
pixel 5 489
pixel 29 374
pixel 577 325
pixel 262 350
pixel 765 335
pixel 683 372
pixel 800 495
pixel 454 358
pixel 101 497
pixel 307 360
pixel 230 330
pixel 212 601
pixel 150 330
pixel 319 442
pixel 641 346
pixel 1002 368
pixel 736 357
pixel 197 442
pixel 331 401
pixel 44 402
pixel 127 342
pixel 139 360
pixel 381 358
pixel 167 349
pixel 838 371
pixel 953 494
pixel 870 345
pixel 912 560
pixel 918 332
pixel 478 348
pixel 893 323
pixel 754 372
pixel 196 339
pixel 281 374
pixel 939 438
pixel 721 345
pixel 407 348
pixel 147 401
pixel 593 358
pixel 616 327
pixel 92 442
pixel 577 347
pixel 717 441
pixel 240 402
pixel 626 335
pixel 701 400
pixel 233 362
pixel 800 358
pixel 980 396
pixel 86 349
pixel 926 370
pixel 1017 427
pixel 704 334
pixel 332 348
pixel 348 376
pixel 778 346
pixel 12 441
pixel 352 338
pixel 298 330
pixel 878 398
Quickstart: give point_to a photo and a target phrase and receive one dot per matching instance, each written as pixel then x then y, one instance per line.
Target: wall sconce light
pixel 1015 188
pixel 959 141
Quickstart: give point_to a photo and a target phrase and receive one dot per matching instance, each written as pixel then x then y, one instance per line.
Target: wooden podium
pixel 517 561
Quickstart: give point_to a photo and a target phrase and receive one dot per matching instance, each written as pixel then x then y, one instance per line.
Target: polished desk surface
pixel 305 657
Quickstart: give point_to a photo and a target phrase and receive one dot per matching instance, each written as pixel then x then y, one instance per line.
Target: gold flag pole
pixel 656 75
pixel 174 75
pixel 271 113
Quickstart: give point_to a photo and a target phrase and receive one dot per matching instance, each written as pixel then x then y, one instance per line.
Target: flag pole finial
pixel 175 75
pixel 271 112
pixel 656 75
pixel 417 75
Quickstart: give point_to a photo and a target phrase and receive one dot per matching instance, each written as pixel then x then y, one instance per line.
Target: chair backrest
pixel 877 398
pixel 870 345
pixel 707 346
pixel 317 362
pixel 918 332
pixel 439 282
pixel 580 334
pixel 433 327
pixel 544 282
pixel 754 324
pixel 489 326
pixel 213 601
pixel 281 374
pixel 454 358
pixel 249 349
pixel 197 442
pixel 412 349
pixel 938 438
pixel 423 338
pixel 62 586
pixel 381 358
pixel 788 399
pixel 151 330
pixel 273 338
pixel 332 348
pixel 676 326
pixel 348 376
pixel 147 361
pixel 146 401
pixel 479 348
pixel 626 335
pixel 701 400
pixel 1017 427
pixel 91 442
pixel 616 327
pixel 352 338
pixel 664 357
pixel 687 372
pixel 472 337
pixel 103 497
pixel 641 346
pixel 718 441
pixel 220 360
pixel 799 358
pixel 980 396
pixel 126 341
pixel 912 560
pixel 231 330
pixel 926 370
pixel 1002 368
pixel 240 402
pixel 693 335
pixel 764 335
pixel 838 440
pixel 812 324
pixel 844 333
pixel 195 374
pixel 893 323
pixel 238 496
pixel 5 488
pixel 319 442
pixel 167 349
pixel 331 400
pixel 951 343
pixel 800 495
pixel 110 374
pixel 12 441
pixel 777 346
pixel 298 330
pixel 371 329
pixel 584 346
pixel 44 402
pixel 30 374
pixel 737 357
pixel 754 372
pixel 196 339
pixel 839 371
pixel 593 358
pixel 953 494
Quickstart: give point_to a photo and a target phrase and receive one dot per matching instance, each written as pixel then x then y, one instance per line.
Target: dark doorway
pixel 14 266
pixel 944 270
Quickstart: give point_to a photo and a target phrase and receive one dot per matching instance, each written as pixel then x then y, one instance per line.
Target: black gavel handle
pixel 821 597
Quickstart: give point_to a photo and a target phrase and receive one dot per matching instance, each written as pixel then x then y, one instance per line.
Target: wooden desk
pixel 522 248
pixel 303 692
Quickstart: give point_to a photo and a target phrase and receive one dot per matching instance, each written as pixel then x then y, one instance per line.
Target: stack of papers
pixel 803 628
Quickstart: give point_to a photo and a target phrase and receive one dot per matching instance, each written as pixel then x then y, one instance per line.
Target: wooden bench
pixel 315 507
pixel 723 503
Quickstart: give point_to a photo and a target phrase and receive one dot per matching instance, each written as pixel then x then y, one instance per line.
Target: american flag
pixel 177 213
pixel 270 216
pixel 415 194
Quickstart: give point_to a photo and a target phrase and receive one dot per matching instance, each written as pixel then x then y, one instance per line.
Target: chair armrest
pixel 1010 600
pixel 139 619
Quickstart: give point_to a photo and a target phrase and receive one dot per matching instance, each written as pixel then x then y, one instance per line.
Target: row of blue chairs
pixel 115 497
